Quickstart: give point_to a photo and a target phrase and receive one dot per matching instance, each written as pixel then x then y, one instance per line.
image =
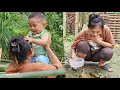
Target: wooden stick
pixel 0 53
pixel 64 24
pixel 76 23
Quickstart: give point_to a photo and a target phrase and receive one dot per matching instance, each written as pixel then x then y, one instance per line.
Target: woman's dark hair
pixel 95 20
pixel 19 48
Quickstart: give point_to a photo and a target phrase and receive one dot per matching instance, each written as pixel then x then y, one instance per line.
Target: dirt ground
pixel 90 69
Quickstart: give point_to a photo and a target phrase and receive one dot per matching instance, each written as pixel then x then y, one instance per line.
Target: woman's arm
pixel 98 40
pixel 53 58
pixel 109 39
pixel 73 53
pixel 78 38
pixel 105 44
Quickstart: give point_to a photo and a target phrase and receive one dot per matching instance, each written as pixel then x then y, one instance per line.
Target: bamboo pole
pixel 0 53
pixel 64 24
pixel 83 18
pixel 3 65
pixel 33 74
pixel 76 23
pixel 64 28
pixel 2 72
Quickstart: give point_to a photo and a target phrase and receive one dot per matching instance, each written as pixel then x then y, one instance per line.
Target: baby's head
pixel 20 48
pixel 37 22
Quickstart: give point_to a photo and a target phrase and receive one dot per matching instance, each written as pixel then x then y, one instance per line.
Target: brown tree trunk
pixel 76 23
pixel 83 18
pixel 64 24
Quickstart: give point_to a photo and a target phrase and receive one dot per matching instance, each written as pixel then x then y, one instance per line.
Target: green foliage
pixel 69 37
pixel 16 23
pixel 54 26
pixel 11 24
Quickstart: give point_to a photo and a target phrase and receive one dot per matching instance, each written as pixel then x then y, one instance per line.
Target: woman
pixel 94 43
pixel 21 52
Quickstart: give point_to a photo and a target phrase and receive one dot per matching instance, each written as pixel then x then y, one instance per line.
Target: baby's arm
pixel 44 39
pixel 27 35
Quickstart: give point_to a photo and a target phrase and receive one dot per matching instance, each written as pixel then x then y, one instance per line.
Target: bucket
pixel 77 63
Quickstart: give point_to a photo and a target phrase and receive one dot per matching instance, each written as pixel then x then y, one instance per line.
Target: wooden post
pixel 76 23
pixel 64 24
pixel 83 18
pixel 64 31
pixel 0 53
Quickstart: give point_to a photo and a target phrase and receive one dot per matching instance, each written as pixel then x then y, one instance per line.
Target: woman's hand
pixel 96 39
pixel 73 54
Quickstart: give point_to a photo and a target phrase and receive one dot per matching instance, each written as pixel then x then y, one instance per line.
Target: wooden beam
pixel 76 23
pixel 64 24
pixel 0 53
pixel 83 18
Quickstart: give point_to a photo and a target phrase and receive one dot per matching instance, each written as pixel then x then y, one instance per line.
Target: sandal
pixel 106 67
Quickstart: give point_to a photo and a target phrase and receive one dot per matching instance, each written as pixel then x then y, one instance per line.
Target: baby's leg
pixel 33 59
pixel 42 59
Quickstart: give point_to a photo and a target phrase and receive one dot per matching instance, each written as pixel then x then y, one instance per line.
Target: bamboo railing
pixel 33 74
